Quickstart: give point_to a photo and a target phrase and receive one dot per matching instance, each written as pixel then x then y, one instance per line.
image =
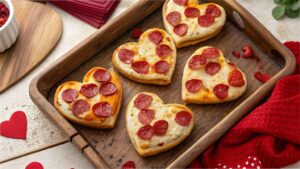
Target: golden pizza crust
pixel 206 95
pixel 151 77
pixel 183 42
pixel 145 149
pixel 91 120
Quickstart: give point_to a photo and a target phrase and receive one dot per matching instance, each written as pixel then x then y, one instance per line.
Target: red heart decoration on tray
pixel 15 127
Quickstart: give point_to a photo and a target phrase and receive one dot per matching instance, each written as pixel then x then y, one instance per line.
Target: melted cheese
pixel 162 112
pixel 145 50
pixel 206 95
pixel 89 115
pixel 195 31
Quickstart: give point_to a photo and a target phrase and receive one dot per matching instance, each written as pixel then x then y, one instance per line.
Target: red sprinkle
pixel 236 54
pixel 136 33
pixel 247 51
pixel 128 165
pixel 261 77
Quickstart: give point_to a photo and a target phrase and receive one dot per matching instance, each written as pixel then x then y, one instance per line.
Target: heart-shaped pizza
pixel 95 102
pixel 152 60
pixel 189 22
pixel 153 126
pixel 210 78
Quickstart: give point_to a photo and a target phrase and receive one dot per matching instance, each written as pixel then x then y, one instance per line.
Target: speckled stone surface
pixel 42 133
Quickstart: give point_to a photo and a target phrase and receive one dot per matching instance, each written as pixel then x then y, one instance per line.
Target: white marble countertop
pixel 42 134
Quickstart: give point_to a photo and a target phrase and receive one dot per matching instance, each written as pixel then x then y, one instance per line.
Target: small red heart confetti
pixel 34 165
pixel 128 165
pixel 15 127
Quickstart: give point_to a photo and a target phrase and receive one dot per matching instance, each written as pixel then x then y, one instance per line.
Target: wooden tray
pixel 111 148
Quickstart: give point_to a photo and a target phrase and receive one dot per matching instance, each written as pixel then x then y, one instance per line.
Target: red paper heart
pixel 15 127
pixel 34 165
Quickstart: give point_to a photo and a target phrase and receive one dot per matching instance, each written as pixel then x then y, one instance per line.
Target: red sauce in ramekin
pixel 4 14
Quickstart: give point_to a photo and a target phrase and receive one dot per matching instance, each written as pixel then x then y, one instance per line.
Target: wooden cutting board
pixel 40 28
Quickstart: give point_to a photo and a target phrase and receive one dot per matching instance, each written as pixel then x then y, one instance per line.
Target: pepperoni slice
pixel 146 116
pixel 183 118
pixel 191 12
pixel 196 61
pixel 193 85
pixel 160 127
pixel 181 2
pixel 180 29
pixel 107 89
pixel 221 91
pixel 69 95
pixel 163 51
pixel 143 101
pixel 155 37
pixel 89 90
pixel 102 75
pixel 141 67
pixel 80 106
pixel 126 55
pixel 102 109
pixel 212 68
pixel 211 53
pixel 174 18
pixel 161 67
pixel 213 10
pixel 236 79
pixel 145 132
pixel 128 165
pixel 206 20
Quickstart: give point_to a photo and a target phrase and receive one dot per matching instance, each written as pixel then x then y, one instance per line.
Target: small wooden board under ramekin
pixel 40 28
pixel 111 148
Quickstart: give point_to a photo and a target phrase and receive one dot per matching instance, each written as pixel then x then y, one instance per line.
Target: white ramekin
pixel 9 31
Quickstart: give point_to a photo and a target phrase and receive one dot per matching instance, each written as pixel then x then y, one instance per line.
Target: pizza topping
pixel 69 95
pixel 102 75
pixel 181 2
pixel 143 101
pixel 221 91
pixel 146 116
pixel 145 132
pixel 191 12
pixel 206 20
pixel 193 85
pixel 128 165
pixel 126 55
pixel 213 10
pixel 155 37
pixel 211 53
pixel 89 90
pixel 161 67
pixel 141 67
pixel 247 51
pixel 262 77
pixel 212 68
pixel 107 89
pixel 174 18
pixel 102 109
pixel 163 50
pixel 183 118
pixel 136 33
pixel 160 127
pixel 236 78
pixel 80 106
pixel 196 61
pixel 160 144
pixel 236 54
pixel 180 29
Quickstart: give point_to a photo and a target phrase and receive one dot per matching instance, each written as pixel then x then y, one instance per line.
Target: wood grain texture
pixel 40 28
pixel 113 147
